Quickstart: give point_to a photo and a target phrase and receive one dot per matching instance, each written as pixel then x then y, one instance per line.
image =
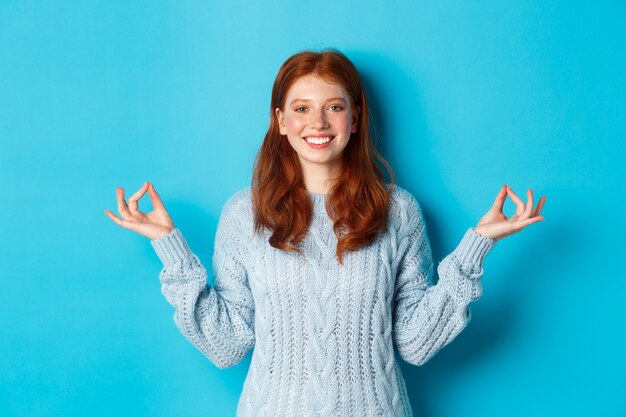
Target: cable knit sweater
pixel 323 334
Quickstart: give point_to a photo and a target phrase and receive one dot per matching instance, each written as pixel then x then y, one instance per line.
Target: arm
pixel 218 320
pixel 428 317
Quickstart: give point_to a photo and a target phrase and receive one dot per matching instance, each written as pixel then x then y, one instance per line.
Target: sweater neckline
pixel 317 195
pixel 319 204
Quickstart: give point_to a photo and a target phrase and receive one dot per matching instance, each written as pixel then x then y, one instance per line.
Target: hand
pixel 496 225
pixel 153 225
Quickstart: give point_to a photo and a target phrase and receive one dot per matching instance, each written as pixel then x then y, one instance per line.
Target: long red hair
pixel 358 201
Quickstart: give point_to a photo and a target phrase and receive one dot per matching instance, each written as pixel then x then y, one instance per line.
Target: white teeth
pixel 319 141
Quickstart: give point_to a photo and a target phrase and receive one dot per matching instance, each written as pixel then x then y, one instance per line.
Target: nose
pixel 318 119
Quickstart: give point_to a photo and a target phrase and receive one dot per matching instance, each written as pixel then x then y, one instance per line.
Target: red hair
pixel 358 201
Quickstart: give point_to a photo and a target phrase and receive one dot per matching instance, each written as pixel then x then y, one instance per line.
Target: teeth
pixel 319 141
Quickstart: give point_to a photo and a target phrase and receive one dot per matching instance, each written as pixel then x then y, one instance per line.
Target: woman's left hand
pixel 496 225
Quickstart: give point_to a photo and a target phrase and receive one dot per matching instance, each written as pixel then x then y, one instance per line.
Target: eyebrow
pixel 330 99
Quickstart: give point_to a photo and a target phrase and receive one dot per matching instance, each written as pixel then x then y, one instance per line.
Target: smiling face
pixel 318 120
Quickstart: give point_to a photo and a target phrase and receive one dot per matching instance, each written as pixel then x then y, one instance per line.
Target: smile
pixel 319 141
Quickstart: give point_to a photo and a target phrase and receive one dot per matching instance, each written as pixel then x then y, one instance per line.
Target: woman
pixel 319 264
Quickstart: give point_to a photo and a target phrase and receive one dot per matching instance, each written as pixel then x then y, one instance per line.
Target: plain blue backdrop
pixel 466 96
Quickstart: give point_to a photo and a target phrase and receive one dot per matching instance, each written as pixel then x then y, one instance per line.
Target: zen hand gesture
pixel 153 225
pixel 496 225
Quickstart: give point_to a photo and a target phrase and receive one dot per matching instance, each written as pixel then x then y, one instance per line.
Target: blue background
pixel 467 96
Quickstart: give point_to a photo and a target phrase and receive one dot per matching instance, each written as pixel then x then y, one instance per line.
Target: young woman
pixel 319 264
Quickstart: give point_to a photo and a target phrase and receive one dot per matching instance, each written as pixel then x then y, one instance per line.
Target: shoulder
pixel 405 212
pixel 233 228
pixel 240 199
pixel 238 206
pixel 403 203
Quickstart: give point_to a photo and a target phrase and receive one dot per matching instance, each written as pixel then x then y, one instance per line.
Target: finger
pixel 132 202
pixel 120 222
pixel 122 209
pixel 526 222
pixel 529 205
pixel 498 204
pixel 111 215
pixel 539 207
pixel 518 202
pixel 154 197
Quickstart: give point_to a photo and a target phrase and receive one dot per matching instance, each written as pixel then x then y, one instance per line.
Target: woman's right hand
pixel 153 225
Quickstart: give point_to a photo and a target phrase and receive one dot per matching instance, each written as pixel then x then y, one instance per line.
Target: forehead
pixel 311 87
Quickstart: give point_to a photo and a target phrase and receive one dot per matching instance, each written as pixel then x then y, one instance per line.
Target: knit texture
pixel 323 334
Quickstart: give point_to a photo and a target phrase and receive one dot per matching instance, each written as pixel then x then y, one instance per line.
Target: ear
pixel 281 121
pixel 355 118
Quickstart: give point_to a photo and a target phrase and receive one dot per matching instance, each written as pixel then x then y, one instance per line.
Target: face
pixel 318 120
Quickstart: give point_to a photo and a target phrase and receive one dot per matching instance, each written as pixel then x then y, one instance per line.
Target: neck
pixel 319 178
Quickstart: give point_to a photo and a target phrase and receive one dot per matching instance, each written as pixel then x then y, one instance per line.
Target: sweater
pixel 324 334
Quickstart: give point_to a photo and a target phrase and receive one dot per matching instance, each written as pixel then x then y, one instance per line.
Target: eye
pixel 336 107
pixel 299 109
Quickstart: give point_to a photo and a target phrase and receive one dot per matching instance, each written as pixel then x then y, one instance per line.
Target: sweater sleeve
pixel 218 320
pixel 427 317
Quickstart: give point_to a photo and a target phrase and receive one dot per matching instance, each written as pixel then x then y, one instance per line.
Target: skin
pixel 496 225
pixel 321 113
pixel 314 106
pixel 153 225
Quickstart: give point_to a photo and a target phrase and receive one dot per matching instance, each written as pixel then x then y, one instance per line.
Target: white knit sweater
pixel 323 334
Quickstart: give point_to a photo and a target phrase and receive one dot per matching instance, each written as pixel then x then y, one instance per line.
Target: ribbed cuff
pixel 474 247
pixel 171 247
